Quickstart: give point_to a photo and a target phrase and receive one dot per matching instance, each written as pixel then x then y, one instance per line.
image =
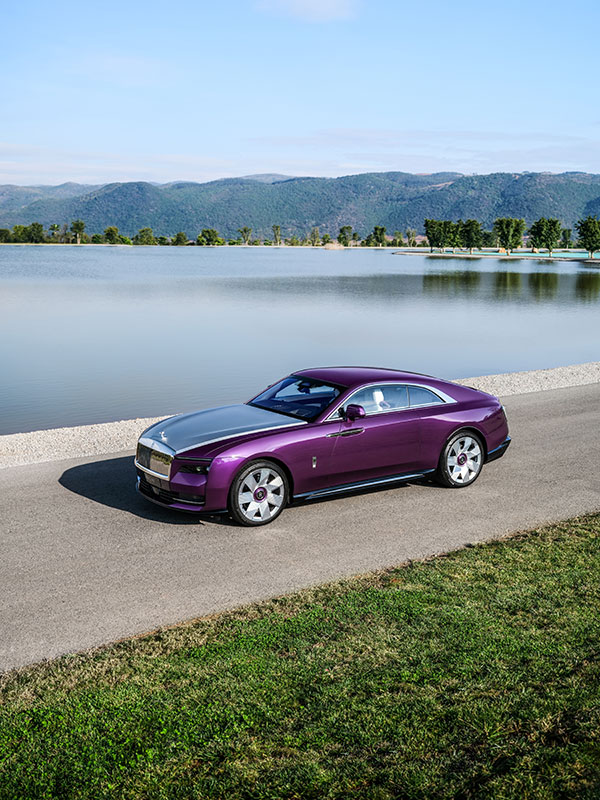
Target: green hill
pixel 395 199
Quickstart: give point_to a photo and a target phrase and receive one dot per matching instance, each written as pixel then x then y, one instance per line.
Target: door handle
pixel 351 432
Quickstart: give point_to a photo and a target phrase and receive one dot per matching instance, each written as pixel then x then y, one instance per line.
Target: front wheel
pixel 461 460
pixel 258 494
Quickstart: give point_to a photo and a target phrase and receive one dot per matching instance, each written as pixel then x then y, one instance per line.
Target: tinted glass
pixel 381 398
pixel 298 397
pixel 422 397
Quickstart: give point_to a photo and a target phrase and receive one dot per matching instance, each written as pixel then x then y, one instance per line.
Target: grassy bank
pixel 471 675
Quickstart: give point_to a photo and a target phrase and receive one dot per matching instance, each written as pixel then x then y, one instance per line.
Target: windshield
pixel 298 397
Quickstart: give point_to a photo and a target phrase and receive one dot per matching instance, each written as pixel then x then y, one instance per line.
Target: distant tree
pixel 411 237
pixel 315 237
pixel 277 235
pixel 127 240
pixel 234 242
pixel 144 236
pixel 162 241
pixel 54 229
pixel 509 232
pixel 355 237
pixel 268 243
pixel 379 235
pixel 470 234
pixel 536 233
pixel 398 241
pixel 294 241
pixel 34 233
pixel 19 233
pixel 545 233
pixel 566 241
pixel 588 230
pixel 111 235
pixel 210 237
pixel 97 238
pixel 245 233
pixel 4 235
pixel 326 239
pixel 434 233
pixel 344 235
pixel 180 239
pixel 551 236
pixel 489 239
pixel 255 242
pixel 65 236
pixel 78 227
pixel 450 234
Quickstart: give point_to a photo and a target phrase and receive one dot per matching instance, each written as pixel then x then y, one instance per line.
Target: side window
pixel 385 397
pixel 423 397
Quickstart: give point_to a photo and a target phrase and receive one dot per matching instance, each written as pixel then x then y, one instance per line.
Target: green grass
pixel 467 676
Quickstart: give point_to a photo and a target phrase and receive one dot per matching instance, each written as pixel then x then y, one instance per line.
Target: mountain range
pixel 397 200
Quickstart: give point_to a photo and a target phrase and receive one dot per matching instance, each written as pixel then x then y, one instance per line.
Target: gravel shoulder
pixel 111 437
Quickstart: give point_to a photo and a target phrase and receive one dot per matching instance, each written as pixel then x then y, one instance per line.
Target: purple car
pixel 316 433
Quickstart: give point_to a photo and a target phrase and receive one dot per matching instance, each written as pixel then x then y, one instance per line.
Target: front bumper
pixel 499 451
pixel 159 492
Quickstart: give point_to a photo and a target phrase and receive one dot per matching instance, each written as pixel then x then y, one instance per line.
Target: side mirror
pixel 354 411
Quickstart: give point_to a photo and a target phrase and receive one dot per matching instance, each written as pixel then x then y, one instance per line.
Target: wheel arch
pixel 468 429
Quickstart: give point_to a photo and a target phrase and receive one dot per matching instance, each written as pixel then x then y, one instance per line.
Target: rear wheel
pixel 461 460
pixel 258 494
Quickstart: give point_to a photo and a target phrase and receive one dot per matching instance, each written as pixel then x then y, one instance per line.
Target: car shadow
pixel 112 483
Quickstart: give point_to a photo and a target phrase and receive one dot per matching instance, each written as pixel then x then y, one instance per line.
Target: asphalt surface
pixel 84 560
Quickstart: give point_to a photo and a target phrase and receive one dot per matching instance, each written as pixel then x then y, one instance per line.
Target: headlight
pixel 196 467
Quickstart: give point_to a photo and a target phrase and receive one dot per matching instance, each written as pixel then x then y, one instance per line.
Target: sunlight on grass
pixel 470 675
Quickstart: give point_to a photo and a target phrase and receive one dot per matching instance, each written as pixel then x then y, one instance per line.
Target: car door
pixel 387 441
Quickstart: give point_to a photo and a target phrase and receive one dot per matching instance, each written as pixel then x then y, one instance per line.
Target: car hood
pixel 198 428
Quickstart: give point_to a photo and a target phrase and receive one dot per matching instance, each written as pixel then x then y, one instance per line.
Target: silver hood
pixel 185 431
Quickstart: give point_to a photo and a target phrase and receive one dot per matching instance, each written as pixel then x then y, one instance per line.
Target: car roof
pixel 356 376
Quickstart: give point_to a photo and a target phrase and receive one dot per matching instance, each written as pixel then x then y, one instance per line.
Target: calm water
pixel 94 334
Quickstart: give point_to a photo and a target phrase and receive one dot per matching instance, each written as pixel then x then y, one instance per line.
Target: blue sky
pixel 200 90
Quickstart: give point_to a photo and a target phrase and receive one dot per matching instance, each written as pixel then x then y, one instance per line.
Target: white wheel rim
pixel 261 494
pixel 464 460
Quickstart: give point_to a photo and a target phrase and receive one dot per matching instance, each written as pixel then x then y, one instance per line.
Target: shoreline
pixel 528 256
pixel 412 251
pixel 55 444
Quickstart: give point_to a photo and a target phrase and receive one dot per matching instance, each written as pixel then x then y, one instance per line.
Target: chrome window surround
pixel 445 398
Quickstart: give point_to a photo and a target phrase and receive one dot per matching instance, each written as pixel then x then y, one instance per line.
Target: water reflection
pixel 507 285
pixel 451 283
pixel 587 286
pixel 543 285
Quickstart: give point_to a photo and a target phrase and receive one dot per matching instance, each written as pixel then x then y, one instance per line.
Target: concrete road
pixel 84 560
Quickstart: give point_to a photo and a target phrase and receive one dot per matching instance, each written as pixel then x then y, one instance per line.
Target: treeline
pixel 440 234
pixel 509 232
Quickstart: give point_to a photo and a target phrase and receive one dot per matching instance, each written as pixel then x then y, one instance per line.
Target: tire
pixel 461 460
pixel 258 494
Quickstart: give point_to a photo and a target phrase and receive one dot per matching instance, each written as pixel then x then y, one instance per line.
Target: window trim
pixel 445 398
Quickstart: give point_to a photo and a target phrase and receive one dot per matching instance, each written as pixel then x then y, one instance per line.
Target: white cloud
pixel 312 10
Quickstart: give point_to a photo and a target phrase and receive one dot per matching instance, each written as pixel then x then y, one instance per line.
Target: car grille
pixel 167 497
pixel 154 460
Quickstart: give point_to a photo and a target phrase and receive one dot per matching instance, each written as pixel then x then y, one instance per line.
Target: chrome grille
pixel 154 460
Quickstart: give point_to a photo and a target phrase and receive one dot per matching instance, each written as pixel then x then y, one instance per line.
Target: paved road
pixel 84 560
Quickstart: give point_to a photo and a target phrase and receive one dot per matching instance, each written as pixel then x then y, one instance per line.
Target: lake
pixel 93 334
